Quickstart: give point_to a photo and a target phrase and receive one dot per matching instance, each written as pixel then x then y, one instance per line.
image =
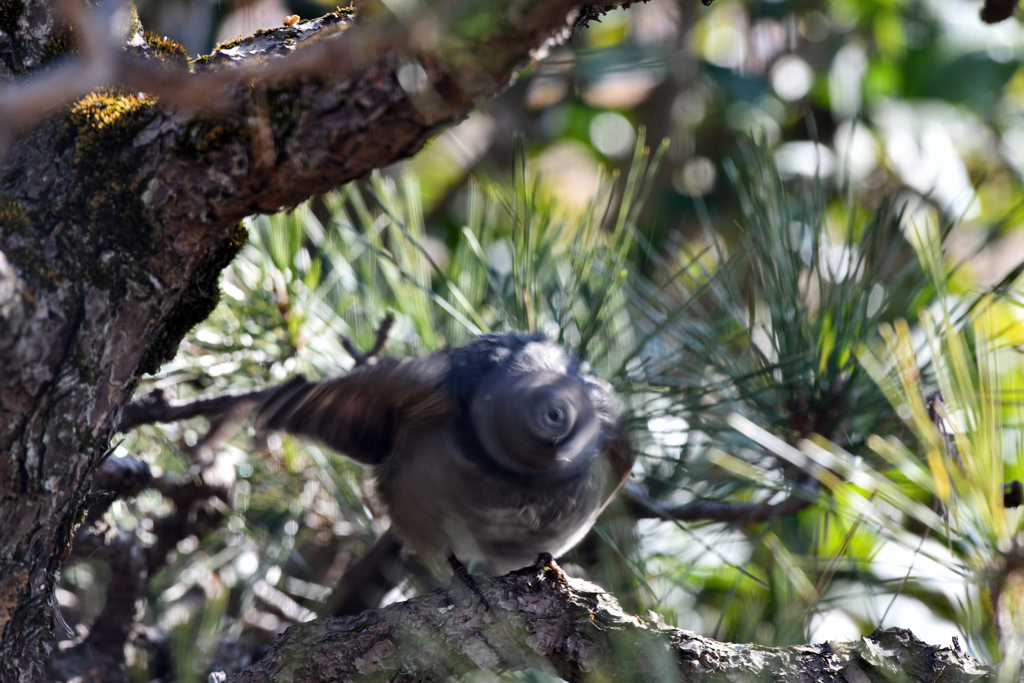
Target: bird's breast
pixel 443 501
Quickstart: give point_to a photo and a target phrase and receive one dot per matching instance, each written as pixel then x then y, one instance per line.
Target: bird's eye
pixel 555 414
pixel 535 422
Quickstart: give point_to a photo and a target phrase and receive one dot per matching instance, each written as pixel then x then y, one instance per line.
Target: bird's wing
pixel 618 451
pixel 621 455
pixel 360 414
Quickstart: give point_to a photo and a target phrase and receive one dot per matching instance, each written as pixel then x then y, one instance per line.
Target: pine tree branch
pixel 642 506
pixel 574 630
pixel 155 408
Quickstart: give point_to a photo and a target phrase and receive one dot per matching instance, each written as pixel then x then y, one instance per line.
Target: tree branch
pixel 571 629
pixel 155 408
pixel 379 345
pixel 641 505
pixel 294 86
pixel 100 657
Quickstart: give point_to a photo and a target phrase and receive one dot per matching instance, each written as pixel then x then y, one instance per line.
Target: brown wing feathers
pixel 361 413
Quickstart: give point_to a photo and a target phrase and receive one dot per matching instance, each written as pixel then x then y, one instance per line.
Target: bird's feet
pixel 547 563
pixel 467 580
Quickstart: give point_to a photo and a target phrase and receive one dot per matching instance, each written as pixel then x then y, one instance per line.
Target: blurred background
pixel 787 232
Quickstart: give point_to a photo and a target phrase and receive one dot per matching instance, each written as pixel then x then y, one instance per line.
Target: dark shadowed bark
pixel 119 210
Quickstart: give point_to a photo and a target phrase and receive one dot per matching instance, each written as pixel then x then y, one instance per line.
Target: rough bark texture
pixel 576 631
pixel 118 212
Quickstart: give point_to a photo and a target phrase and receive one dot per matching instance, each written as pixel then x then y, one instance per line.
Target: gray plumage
pixel 496 451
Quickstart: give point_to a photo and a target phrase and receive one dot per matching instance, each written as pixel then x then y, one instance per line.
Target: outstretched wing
pixel 361 414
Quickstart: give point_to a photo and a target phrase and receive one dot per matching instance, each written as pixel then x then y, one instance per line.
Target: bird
pixel 492 454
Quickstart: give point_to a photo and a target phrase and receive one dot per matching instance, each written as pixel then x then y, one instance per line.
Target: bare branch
pixel 200 504
pixel 569 630
pixel 716 511
pixel 100 656
pixel 155 408
pixel 381 343
pixel 116 478
pixel 124 476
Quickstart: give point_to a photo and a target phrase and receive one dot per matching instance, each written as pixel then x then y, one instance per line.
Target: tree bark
pixel 575 630
pixel 118 212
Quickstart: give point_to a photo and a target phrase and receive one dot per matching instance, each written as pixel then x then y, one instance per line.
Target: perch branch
pixel 570 630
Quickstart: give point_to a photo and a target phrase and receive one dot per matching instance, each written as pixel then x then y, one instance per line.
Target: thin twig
pixel 715 511
pixel 155 408
pixel 234 407
pixel 380 344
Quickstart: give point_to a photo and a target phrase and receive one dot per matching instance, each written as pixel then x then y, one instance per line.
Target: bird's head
pixel 540 422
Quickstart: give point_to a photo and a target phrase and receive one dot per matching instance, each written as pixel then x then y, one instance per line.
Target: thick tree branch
pixel 287 103
pixel 570 630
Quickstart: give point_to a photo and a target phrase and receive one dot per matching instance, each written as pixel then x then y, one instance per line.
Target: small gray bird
pixel 494 452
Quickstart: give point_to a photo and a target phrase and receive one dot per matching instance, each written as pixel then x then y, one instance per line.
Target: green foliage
pixel 967 447
pixel 738 366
